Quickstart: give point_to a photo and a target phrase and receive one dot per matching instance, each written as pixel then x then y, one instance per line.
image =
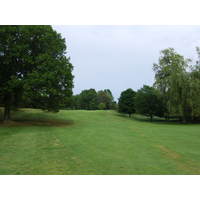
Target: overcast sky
pixel 121 57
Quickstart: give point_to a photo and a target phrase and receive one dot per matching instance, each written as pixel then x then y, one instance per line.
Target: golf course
pixel 96 142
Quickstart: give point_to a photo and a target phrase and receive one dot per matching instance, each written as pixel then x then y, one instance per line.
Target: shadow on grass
pixel 23 118
pixel 156 120
pixel 24 122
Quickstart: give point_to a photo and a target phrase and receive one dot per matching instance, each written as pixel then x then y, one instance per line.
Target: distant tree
pixel 149 102
pixel 109 93
pixel 102 106
pixel 33 67
pixel 88 99
pixel 114 105
pixel 75 103
pixel 105 96
pixel 127 102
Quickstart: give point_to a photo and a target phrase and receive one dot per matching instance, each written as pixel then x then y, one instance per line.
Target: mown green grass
pixel 96 142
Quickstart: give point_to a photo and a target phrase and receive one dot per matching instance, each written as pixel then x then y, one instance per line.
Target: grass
pixel 96 142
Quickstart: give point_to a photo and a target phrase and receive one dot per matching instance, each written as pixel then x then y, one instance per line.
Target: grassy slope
pixel 97 142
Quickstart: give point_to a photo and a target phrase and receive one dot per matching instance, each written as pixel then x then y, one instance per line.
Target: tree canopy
pixel 126 102
pixel 88 99
pixel 102 106
pixel 33 68
pixel 178 82
pixel 105 97
pixel 149 102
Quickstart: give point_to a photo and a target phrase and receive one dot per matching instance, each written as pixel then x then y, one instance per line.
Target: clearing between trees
pixel 96 142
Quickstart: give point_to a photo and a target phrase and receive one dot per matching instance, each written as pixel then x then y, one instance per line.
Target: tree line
pixel 174 94
pixel 93 100
pixel 36 72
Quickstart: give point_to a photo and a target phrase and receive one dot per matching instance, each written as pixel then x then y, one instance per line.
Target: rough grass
pixel 96 142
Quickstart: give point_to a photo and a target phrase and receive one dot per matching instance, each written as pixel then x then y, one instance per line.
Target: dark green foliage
pixel 114 105
pixel 102 106
pixel 179 85
pixel 149 102
pixel 92 100
pixel 194 80
pixel 105 97
pixel 88 99
pixel 75 104
pixel 176 91
pixel 127 102
pixel 34 69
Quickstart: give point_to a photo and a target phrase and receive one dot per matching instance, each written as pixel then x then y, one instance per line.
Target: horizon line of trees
pixel 174 94
pixel 35 72
pixel 90 99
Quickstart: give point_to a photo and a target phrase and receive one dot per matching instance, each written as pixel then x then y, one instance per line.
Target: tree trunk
pixel 184 120
pixel 129 115
pixel 151 117
pixel 6 116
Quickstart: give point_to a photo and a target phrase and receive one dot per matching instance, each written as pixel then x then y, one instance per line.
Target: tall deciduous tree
pixel 127 102
pixel 33 67
pixel 172 80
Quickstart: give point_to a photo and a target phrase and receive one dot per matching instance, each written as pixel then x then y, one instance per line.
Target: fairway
pixel 96 142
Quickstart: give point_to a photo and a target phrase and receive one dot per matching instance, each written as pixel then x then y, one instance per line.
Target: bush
pixel 102 106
